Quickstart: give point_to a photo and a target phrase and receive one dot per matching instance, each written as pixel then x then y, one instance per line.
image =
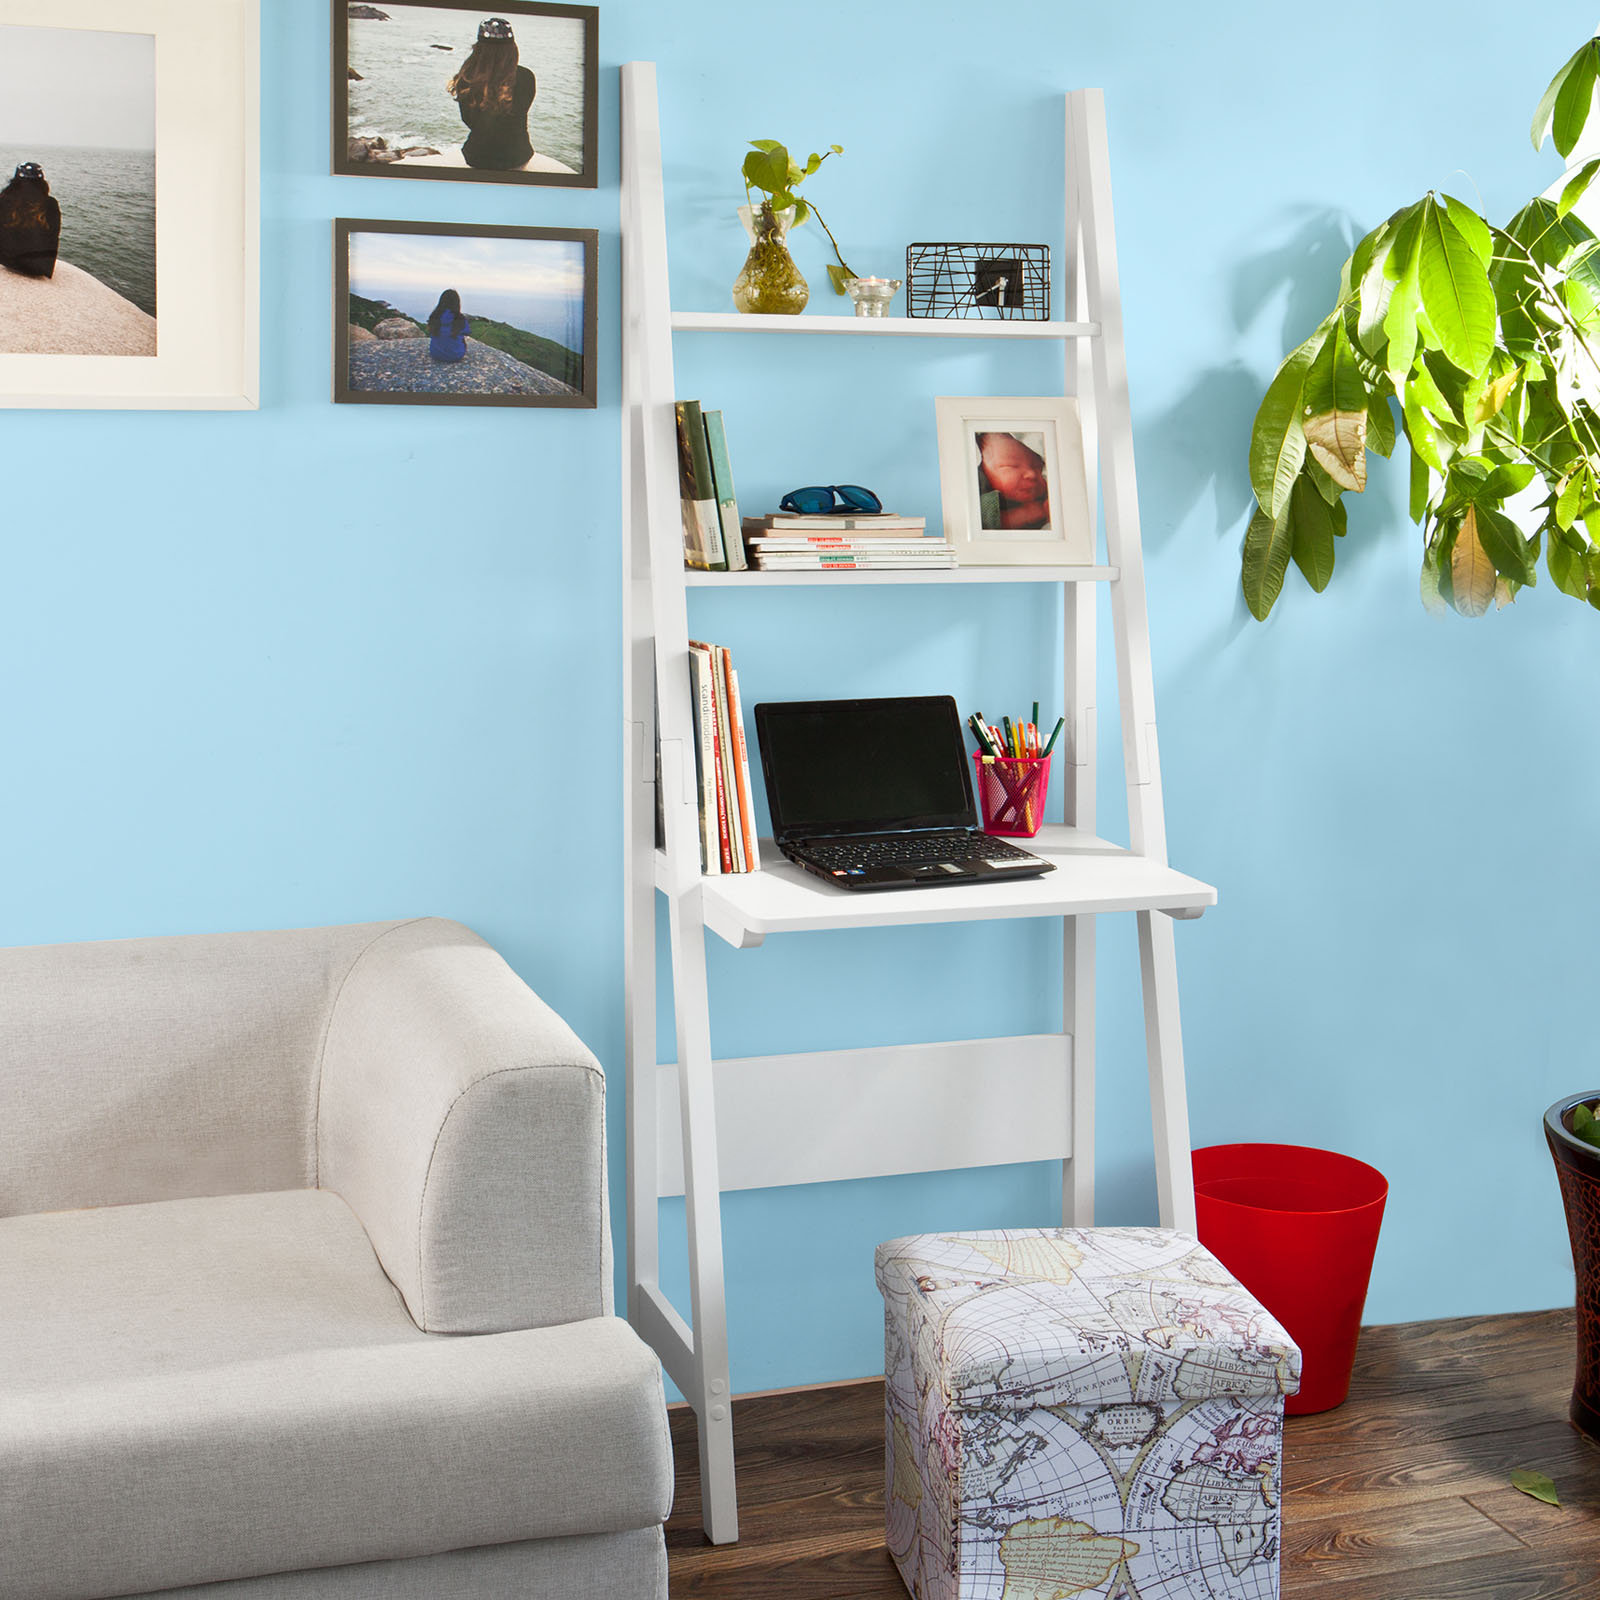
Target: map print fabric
pixel 1094 1412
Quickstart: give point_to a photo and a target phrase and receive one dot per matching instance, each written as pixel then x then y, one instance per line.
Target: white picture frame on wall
pixel 1012 482
pixel 148 114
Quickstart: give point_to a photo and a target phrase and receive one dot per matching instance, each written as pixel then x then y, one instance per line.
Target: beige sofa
pixel 305 1280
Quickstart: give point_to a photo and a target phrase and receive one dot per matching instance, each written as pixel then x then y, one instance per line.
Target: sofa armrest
pixel 464 1123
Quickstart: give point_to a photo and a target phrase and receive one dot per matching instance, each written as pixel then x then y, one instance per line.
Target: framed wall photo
pixel 455 90
pixel 1012 481
pixel 129 212
pixel 436 314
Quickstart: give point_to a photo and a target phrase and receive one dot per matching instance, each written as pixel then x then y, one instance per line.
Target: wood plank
pixel 1396 1539
pixel 1403 1493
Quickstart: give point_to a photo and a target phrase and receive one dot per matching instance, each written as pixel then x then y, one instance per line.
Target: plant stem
pixel 831 240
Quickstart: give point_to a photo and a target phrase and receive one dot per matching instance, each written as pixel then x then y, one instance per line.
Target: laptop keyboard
pixel 910 850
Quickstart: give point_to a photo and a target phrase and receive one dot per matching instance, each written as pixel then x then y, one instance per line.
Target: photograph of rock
pixel 452 91
pixel 435 314
pixel 77 192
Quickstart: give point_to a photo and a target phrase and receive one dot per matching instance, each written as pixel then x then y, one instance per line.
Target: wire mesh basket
pixel 1000 282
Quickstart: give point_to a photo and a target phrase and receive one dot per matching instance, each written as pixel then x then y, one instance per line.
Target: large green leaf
pixel 1401 315
pixel 1576 187
pixel 1334 412
pixel 1313 531
pixel 1473 228
pixel 1421 485
pixel 1455 292
pixel 1472 572
pixel 1421 432
pixel 1278 442
pixel 1547 101
pixel 1502 541
pixel 1267 544
pixel 1380 425
pixel 1574 99
pixel 1566 567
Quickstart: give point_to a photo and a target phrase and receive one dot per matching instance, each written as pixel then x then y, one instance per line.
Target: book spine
pixel 713 669
pixel 705 757
pixel 747 799
pixel 702 527
pixel 727 500
pixel 730 762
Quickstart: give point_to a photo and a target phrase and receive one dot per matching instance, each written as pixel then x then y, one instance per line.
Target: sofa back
pixel 159 1069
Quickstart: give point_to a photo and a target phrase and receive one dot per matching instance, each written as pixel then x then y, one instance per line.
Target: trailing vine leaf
pixel 1573 100
pixel 1472 573
pixel 1278 442
pixel 1313 531
pixel 1455 291
pixel 1335 413
pixel 1267 543
pixel 1535 1484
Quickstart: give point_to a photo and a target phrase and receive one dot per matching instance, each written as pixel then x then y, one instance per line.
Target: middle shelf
pixel 1092 875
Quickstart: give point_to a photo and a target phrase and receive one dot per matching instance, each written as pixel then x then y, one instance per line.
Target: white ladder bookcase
pixel 704 1125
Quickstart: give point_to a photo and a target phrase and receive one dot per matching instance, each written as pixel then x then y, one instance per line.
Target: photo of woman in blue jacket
pixel 448 329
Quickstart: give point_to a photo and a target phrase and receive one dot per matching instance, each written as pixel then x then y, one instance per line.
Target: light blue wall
pixel 298 666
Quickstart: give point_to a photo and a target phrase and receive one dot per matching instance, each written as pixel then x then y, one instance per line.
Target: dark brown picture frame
pixel 343 394
pixel 588 178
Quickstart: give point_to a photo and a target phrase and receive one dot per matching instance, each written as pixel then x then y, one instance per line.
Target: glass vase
pixel 769 283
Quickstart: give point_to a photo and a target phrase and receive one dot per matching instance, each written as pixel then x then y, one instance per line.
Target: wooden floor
pixel 1402 1493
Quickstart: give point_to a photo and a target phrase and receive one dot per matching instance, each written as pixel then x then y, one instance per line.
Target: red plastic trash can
pixel 1298 1228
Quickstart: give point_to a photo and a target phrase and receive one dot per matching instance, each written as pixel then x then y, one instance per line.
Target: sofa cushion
pixel 200 1390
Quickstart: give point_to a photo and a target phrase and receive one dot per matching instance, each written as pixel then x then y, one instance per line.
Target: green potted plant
pixel 770 281
pixel 1481 344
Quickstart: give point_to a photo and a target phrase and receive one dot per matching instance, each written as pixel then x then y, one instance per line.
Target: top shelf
pixel 905 327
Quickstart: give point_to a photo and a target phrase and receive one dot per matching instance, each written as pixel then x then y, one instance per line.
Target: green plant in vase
pixel 770 281
pixel 1486 342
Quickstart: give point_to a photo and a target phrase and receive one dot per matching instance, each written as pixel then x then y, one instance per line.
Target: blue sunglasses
pixel 823 500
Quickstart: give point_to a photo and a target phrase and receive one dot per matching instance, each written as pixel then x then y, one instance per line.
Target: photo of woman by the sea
pixel 448 314
pixel 77 192
pixel 455 91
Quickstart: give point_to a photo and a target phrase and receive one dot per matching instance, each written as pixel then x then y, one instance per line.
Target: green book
pixel 727 501
pixel 702 524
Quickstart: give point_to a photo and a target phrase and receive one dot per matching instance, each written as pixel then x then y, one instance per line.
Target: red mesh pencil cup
pixel 1011 793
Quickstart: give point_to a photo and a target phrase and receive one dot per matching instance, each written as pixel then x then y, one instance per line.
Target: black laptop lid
pixel 864 766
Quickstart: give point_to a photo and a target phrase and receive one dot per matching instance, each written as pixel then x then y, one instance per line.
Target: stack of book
pixel 705 480
pixel 861 541
pixel 722 765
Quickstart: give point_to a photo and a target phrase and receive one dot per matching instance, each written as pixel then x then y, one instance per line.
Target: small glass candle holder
pixel 872 295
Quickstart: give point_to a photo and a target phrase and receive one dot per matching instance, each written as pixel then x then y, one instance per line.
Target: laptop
pixel 877 794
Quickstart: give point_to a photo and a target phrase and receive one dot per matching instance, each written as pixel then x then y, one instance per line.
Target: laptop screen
pixel 864 766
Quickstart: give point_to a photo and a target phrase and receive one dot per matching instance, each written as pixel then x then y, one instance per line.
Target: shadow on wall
pixel 1202 440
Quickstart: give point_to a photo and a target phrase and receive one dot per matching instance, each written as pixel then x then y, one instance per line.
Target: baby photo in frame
pixel 1012 481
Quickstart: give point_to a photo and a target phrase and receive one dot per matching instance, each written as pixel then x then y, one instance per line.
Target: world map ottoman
pixel 1080 1412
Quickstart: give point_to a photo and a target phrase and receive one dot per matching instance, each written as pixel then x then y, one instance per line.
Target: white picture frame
pixel 1028 438
pixel 207 215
